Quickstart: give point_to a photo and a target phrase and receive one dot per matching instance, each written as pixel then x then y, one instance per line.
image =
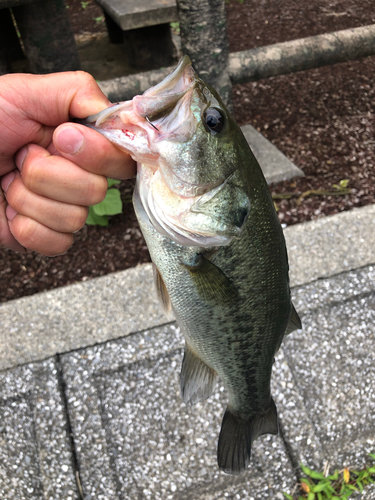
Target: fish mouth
pixel 161 113
pixel 161 130
pixel 159 100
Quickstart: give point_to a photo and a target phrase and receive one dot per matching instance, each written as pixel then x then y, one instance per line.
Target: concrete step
pixel 68 318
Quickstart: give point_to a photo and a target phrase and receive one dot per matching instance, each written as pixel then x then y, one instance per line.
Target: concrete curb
pixel 80 315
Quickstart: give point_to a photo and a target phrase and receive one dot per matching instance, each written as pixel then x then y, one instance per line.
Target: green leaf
pixel 319 495
pixel 112 182
pixel 351 487
pixel 316 475
pixel 111 205
pixel 289 497
pixel 334 477
pixel 319 487
pixel 311 496
pixel 372 455
pixel 360 486
pixel 306 470
pixel 96 220
pixel 175 27
pixel 343 184
pixel 329 488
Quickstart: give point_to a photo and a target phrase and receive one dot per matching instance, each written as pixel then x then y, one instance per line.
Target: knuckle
pixel 31 173
pixel 86 80
pixel 78 219
pixel 16 196
pixel 32 235
pixel 24 230
pixel 63 245
pixel 98 190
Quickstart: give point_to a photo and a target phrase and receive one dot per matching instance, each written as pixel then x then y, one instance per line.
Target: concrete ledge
pixel 275 165
pixel 331 245
pixel 134 14
pixel 36 327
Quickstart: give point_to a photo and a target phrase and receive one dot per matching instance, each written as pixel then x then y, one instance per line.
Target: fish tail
pixel 237 435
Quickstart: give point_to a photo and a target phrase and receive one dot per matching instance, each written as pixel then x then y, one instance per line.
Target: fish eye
pixel 214 120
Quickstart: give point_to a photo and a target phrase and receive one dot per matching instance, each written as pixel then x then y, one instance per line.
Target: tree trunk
pixel 204 40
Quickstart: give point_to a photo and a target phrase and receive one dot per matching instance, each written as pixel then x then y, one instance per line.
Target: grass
pixel 338 486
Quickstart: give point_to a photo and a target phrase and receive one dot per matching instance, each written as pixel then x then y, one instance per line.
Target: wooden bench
pixel 143 27
pixel 46 34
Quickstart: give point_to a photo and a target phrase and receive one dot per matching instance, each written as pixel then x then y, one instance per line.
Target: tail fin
pixel 237 435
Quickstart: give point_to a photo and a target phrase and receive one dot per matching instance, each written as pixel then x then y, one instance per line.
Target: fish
pixel 218 250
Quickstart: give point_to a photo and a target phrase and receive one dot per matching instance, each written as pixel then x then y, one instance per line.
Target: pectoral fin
pixel 211 283
pixel 162 291
pixel 197 380
pixel 294 322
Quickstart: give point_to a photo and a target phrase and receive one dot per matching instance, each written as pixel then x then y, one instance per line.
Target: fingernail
pixel 20 157
pixel 10 212
pixel 6 180
pixel 69 141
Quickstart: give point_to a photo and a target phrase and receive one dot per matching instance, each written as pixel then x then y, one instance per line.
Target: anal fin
pixel 197 380
pixel 162 291
pixel 237 436
pixel 294 322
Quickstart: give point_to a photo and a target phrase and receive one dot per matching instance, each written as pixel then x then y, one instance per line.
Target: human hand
pixel 50 170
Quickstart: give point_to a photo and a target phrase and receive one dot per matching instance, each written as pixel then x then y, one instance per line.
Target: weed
pixel 175 28
pixel 338 486
pixel 111 205
pixel 339 189
pixel 98 20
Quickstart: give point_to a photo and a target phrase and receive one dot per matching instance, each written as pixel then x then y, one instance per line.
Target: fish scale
pixel 216 244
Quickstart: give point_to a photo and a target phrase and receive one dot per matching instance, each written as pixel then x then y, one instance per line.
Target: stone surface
pixel 332 361
pixel 297 429
pixel 35 453
pixel 140 13
pixel 135 438
pixel 275 165
pixel 331 245
pixel 39 326
pixel 36 327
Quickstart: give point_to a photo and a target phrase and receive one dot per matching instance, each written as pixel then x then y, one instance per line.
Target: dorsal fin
pixel 162 291
pixel 294 322
pixel 197 380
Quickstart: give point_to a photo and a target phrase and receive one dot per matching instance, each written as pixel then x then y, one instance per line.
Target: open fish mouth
pixel 185 194
pixel 136 126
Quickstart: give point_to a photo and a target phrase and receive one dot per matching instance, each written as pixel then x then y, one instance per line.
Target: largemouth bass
pixel 218 250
